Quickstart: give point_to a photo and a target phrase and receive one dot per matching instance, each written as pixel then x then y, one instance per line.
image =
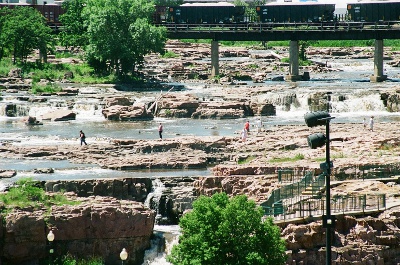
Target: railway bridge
pixel 293 32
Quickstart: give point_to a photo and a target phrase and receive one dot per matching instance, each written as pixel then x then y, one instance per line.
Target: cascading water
pixel 154 197
pixel 164 238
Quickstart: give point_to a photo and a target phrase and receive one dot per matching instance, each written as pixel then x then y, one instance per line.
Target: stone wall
pixel 135 189
pixel 96 227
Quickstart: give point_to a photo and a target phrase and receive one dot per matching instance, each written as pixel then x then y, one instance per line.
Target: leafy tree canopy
pixel 74 32
pixel 24 29
pixel 120 34
pixel 227 231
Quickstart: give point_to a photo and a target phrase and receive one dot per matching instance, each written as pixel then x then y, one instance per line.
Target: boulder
pixel 117 100
pixel 135 112
pixel 7 173
pixel 15 72
pixel 59 115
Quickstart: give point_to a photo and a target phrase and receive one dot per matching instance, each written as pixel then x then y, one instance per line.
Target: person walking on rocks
pixel 364 124
pixel 83 137
pixel 160 130
pixel 247 126
pixel 371 124
pixel 259 125
pixel 244 134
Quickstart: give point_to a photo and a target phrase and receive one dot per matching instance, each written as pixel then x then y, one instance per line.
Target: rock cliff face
pixel 135 189
pixel 361 241
pixel 97 226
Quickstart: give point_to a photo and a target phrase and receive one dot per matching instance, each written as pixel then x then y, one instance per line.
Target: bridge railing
pixel 312 207
pixel 283 26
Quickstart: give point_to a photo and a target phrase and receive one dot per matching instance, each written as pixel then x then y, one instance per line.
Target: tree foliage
pixel 74 30
pixel 23 30
pixel 227 231
pixel 120 34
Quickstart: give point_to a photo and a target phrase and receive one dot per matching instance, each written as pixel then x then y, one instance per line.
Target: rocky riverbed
pixel 238 167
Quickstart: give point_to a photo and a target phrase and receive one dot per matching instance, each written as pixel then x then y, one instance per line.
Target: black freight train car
pixel 288 12
pixel 374 11
pixel 202 13
pixel 51 12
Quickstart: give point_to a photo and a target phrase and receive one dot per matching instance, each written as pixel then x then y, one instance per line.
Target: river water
pixel 362 100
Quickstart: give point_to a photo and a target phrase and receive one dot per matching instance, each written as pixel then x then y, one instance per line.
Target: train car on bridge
pixel 291 12
pixel 374 11
pixel 51 12
pixel 205 13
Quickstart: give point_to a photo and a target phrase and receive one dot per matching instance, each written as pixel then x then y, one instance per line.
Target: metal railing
pixel 302 197
pixel 291 190
pixel 282 26
pixel 311 207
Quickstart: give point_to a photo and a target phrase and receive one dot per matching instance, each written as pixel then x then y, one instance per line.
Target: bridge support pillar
pixel 293 62
pixel 378 63
pixel 214 58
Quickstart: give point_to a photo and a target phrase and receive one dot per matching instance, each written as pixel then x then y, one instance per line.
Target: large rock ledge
pixel 367 240
pixel 101 226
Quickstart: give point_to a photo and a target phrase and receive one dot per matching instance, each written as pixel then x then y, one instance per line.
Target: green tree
pixel 250 7
pixel 120 34
pixel 74 30
pixel 24 30
pixel 227 231
pixel 3 14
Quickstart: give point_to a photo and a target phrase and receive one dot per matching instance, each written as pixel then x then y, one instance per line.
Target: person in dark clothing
pixel 83 137
pixel 160 130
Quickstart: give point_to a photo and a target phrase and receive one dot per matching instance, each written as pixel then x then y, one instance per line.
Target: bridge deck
pixel 284 31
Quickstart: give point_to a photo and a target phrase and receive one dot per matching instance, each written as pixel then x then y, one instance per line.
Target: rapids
pixel 353 98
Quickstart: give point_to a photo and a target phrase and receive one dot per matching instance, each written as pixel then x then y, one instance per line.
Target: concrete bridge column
pixel 293 62
pixel 214 58
pixel 378 63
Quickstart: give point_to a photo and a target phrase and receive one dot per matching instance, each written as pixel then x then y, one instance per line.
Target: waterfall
pixel 14 110
pixel 344 101
pixel 165 237
pixel 153 199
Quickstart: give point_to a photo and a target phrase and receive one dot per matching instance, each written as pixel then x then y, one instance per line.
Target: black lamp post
pixel 50 238
pixel 313 119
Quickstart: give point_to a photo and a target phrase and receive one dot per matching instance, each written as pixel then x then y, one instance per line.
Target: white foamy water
pixel 157 254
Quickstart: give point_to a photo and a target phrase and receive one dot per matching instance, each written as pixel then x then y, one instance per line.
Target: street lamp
pixel 50 238
pixel 314 141
pixel 123 255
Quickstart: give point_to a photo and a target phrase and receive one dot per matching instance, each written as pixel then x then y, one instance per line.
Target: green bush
pixel 169 54
pixel 28 193
pixel 70 260
pixel 48 88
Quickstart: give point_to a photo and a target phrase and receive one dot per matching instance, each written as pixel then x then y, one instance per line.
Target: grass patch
pixel 320 159
pixel 339 155
pixel 48 88
pixel 301 62
pixel 245 160
pixel 28 193
pixel 169 54
pixel 387 146
pixel 287 159
pixel 5 66
pixel 60 55
pixel 70 260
